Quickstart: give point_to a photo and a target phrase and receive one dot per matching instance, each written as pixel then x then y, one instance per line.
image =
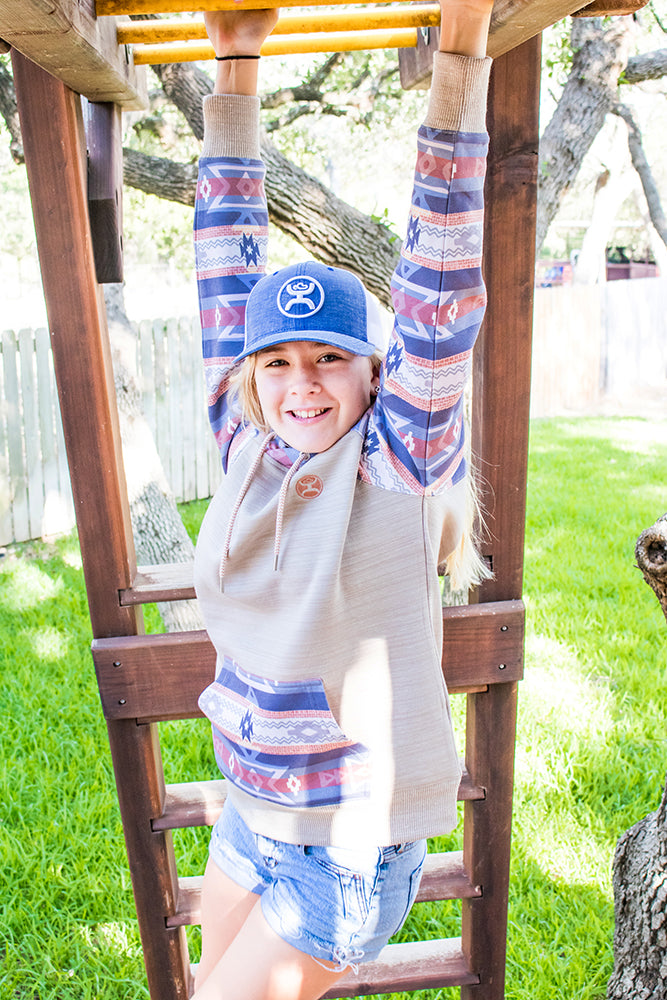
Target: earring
pixel 376 389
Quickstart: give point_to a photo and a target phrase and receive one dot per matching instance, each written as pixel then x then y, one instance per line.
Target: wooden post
pixel 53 137
pixel 501 385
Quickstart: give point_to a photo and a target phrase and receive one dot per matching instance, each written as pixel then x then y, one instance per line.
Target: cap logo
pixel 300 298
pixel 309 487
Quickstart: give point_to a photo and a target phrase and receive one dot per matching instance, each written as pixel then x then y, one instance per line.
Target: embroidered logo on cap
pixel 309 487
pixel 300 297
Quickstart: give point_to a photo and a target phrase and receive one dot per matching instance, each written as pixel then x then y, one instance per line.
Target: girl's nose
pixel 304 380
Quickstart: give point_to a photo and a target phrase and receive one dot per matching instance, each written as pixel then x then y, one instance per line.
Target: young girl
pixel 345 490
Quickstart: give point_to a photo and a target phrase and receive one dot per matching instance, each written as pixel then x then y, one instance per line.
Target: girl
pixel 317 563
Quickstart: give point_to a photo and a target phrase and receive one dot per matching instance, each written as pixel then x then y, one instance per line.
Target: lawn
pixel 590 750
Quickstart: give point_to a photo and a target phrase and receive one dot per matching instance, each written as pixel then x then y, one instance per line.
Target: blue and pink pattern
pixel 279 740
pixel 415 437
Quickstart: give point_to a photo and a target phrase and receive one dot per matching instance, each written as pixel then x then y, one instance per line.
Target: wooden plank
pixel 54 143
pixel 611 8
pixel 55 506
pixel 414 965
pixel 6 530
pixel 31 442
pixel 105 188
pixel 161 676
pixel 67 40
pixel 198 803
pixel 443 877
pixel 512 22
pixel 18 486
pixel 501 383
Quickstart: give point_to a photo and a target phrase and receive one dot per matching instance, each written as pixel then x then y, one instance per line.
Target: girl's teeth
pixel 304 414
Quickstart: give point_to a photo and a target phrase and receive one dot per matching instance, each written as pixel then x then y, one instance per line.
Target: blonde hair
pixel 242 387
pixel 465 566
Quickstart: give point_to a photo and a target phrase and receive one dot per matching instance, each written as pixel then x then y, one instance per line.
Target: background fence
pixel 590 343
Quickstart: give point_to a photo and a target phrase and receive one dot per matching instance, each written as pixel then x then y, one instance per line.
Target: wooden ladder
pixel 144 679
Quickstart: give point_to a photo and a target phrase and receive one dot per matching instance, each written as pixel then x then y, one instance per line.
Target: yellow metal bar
pixel 278 45
pixel 367 19
pixel 125 7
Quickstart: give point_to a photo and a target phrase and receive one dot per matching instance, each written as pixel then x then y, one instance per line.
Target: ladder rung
pixel 280 45
pixel 367 19
pixel 444 877
pixel 412 965
pixel 198 803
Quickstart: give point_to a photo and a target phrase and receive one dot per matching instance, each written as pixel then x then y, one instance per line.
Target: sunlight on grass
pixel 49 643
pixel 25 586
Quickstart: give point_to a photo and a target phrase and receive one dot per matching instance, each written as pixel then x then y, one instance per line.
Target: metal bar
pixel 340 41
pixel 368 19
pixel 128 7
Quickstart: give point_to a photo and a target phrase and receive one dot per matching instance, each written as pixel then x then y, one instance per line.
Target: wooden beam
pixel 66 39
pixel 153 677
pixel 55 153
pixel 501 384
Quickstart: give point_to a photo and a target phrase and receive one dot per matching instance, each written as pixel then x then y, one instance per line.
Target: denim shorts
pixel 337 904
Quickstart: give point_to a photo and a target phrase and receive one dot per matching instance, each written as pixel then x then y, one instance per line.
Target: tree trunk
pixel 159 534
pixel 640 910
pixel 640 861
pixel 599 55
pixel 651 556
pixel 641 165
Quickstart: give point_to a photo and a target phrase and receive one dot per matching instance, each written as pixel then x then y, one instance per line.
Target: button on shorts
pixel 337 904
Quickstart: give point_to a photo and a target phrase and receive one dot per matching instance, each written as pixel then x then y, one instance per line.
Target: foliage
pixel 590 749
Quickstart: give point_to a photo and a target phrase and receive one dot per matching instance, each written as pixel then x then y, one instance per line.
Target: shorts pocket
pixel 355 873
pixel 279 741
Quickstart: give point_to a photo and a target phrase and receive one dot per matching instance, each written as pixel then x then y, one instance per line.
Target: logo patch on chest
pixel 309 487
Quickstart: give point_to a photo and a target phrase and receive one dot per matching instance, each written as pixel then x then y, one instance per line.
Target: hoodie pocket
pixel 279 741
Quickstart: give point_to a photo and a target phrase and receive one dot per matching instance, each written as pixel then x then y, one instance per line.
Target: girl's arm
pixel 231 219
pixel 416 438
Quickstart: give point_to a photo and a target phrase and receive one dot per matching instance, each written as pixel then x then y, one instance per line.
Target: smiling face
pixel 312 394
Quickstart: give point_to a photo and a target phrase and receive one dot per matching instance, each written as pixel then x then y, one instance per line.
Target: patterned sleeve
pixel 230 233
pixel 415 442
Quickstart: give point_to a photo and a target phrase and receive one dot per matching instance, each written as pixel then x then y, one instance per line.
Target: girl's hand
pixel 464 26
pixel 239 32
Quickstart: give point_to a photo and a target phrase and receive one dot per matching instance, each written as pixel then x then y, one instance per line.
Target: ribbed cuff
pixel 231 126
pixel 459 88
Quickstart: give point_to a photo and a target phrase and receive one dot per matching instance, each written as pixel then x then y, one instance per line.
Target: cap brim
pixel 330 337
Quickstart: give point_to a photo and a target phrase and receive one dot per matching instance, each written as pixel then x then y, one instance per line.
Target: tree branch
pixel 647 66
pixel 599 55
pixel 641 165
pixel 10 113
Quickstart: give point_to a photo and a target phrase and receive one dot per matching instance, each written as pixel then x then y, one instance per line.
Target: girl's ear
pixel 375 379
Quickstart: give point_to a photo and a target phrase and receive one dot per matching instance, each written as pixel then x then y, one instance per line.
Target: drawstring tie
pixel 282 497
pixel 237 506
pixel 281 507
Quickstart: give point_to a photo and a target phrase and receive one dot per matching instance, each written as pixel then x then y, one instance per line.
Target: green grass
pixel 590 750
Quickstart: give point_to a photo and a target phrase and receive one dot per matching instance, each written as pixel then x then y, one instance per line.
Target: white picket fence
pixel 35 493
pixel 588 342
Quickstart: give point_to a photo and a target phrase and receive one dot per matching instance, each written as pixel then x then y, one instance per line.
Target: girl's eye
pixel 330 357
pixel 275 363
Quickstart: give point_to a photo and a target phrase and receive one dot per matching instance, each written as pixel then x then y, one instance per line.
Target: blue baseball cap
pixel 311 301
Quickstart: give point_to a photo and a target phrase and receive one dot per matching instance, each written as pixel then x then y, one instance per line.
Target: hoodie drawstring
pixel 237 505
pixel 282 497
pixel 281 507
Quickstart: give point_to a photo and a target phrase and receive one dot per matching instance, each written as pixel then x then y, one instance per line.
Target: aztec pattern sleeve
pixel 415 442
pixel 230 233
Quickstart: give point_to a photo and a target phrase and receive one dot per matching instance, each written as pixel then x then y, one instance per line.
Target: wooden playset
pixel 63 49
